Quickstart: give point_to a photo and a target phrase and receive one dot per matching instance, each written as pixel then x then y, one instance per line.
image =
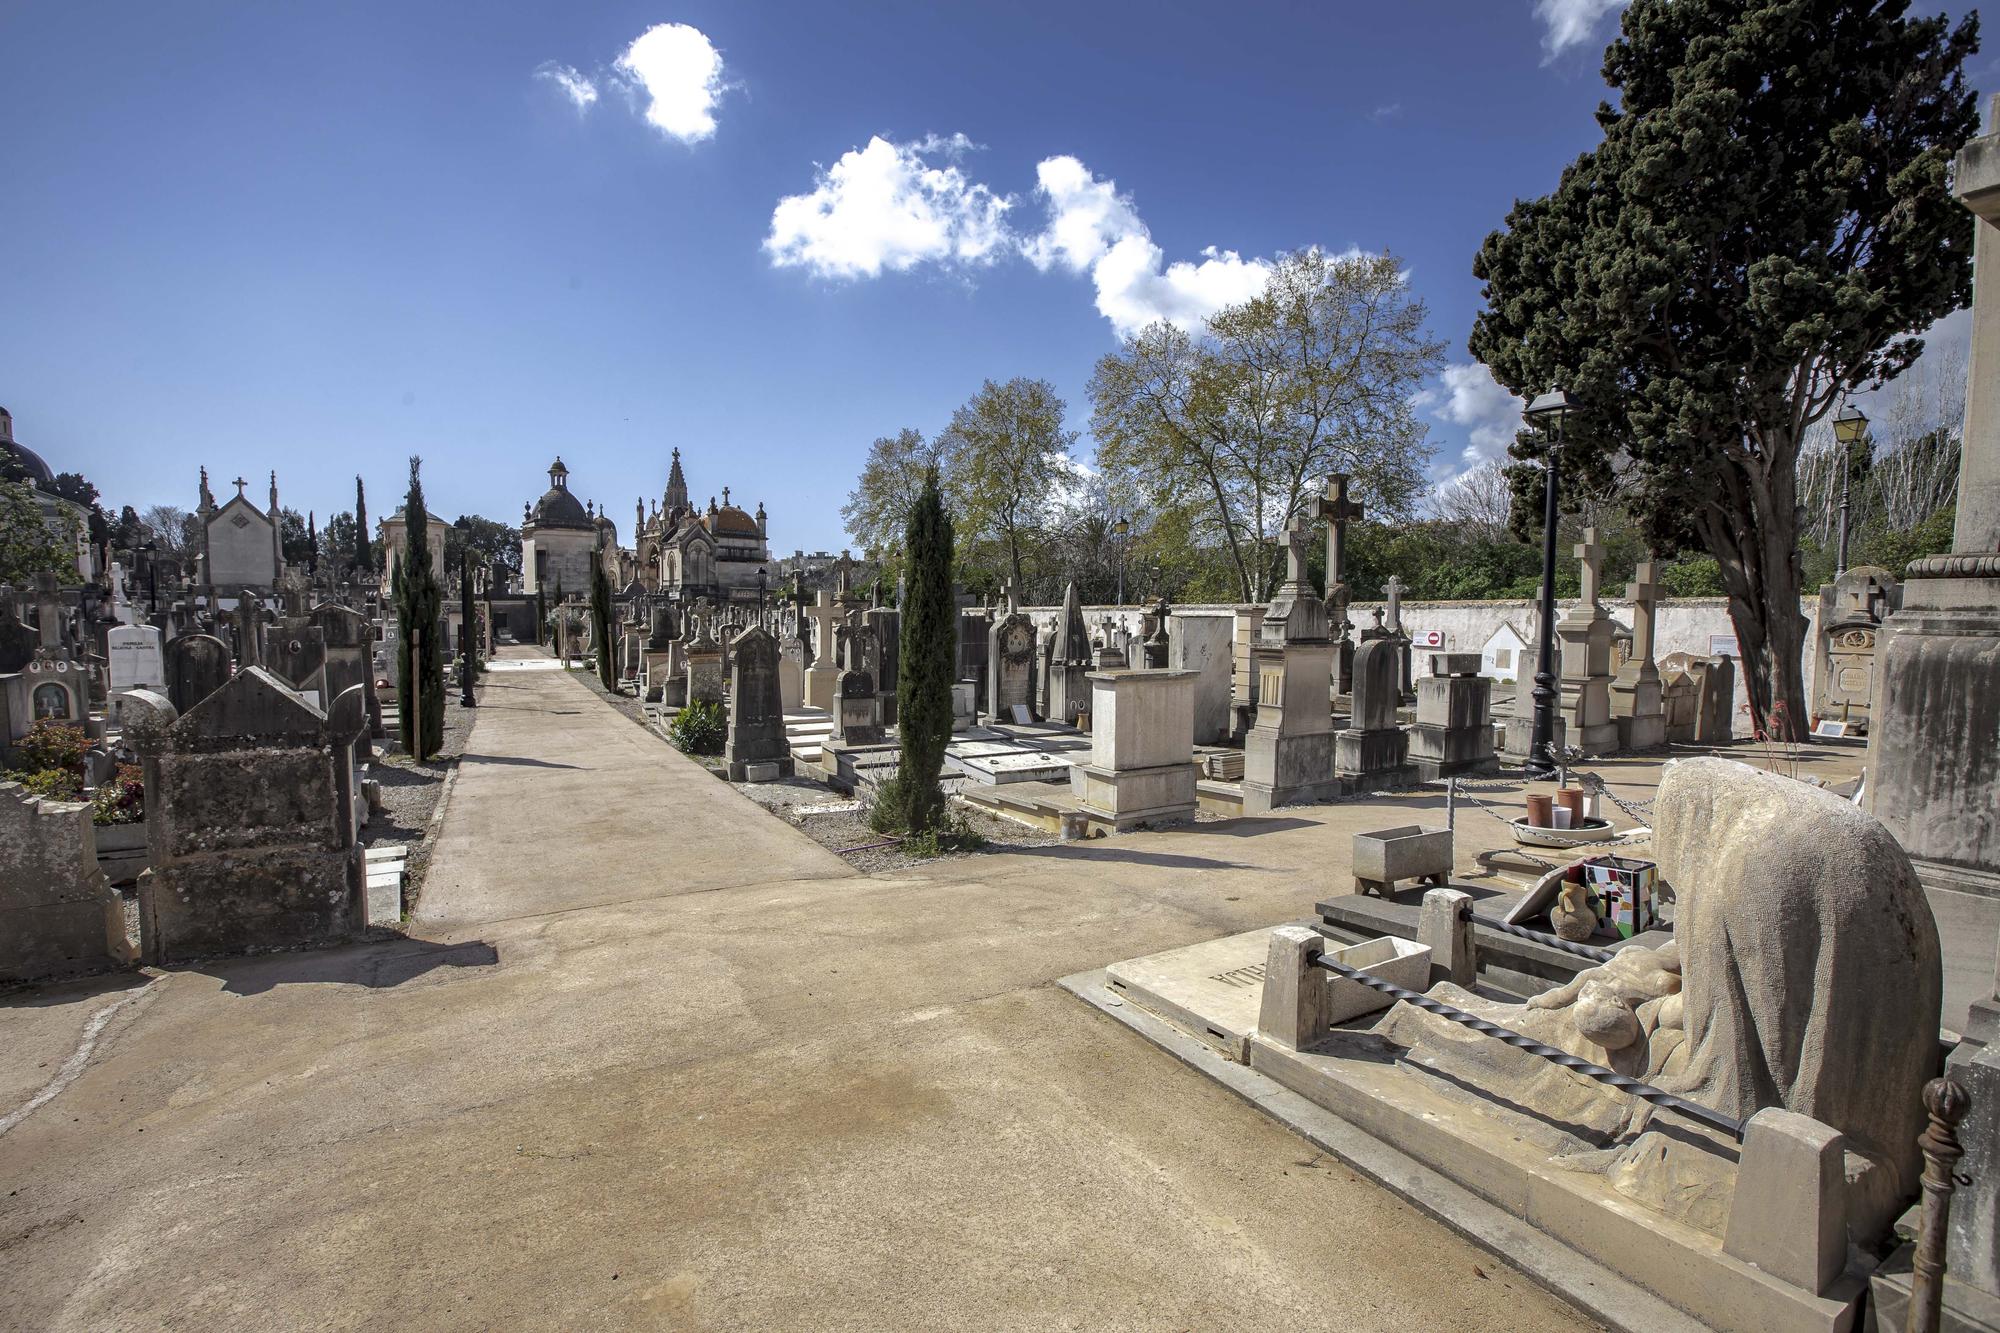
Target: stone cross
pixel 241 486
pixel 1338 511
pixel 1295 552
pixel 1393 589
pixel 1592 555
pixel 48 610
pixel 1644 594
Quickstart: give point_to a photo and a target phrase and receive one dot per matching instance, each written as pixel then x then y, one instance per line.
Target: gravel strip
pixel 410 794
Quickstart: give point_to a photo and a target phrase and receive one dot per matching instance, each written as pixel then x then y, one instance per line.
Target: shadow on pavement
pixel 376 966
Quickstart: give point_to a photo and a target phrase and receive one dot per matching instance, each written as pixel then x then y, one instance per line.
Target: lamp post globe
pixel 1546 414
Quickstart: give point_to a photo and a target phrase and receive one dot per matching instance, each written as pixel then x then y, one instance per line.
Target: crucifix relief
pixel 1592 556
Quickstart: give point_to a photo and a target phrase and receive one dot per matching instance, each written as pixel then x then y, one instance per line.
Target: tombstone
pixel 704 670
pixel 792 673
pixel 137 662
pixel 1373 753
pixel 756 749
pixel 58 913
pixel 823 675
pixel 1288 755
pixel 1680 703
pixel 1141 770
pixel 1201 642
pixel 1711 690
pixel 1636 706
pixel 857 714
pixel 1392 592
pixel 1158 643
pixel 1070 662
pixel 250 821
pixel 974 631
pixel 346 641
pixel 887 627
pixel 1338 511
pixel 51 688
pixel 1454 730
pixel 1010 665
pixel 1584 636
pixel 1851 611
pixel 197 666
pixel 296 653
pixel 1247 629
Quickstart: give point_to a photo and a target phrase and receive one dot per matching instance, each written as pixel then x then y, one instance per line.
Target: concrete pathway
pixel 655 1060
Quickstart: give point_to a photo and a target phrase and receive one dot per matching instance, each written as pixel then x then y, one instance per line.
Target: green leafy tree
pixel 174 530
pixel 600 621
pixel 419 646
pixel 295 538
pixel 1236 426
pixel 490 542
pixel 878 508
pixel 364 553
pixel 1766 220
pixel 925 671
pixel 1007 457
pixel 30 543
pixel 336 542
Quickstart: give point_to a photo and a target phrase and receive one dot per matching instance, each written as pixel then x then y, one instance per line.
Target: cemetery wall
pixel 1681 625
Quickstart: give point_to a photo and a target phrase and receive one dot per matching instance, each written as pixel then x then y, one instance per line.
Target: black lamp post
pixel 1848 427
pixel 152 551
pixel 465 622
pixel 1546 414
pixel 761 579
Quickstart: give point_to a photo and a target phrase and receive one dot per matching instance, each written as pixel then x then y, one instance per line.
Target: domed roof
pixel 18 460
pixel 729 521
pixel 559 509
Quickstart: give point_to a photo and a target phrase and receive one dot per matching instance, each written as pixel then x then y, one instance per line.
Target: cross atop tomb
pixel 1393 590
pixel 48 610
pixel 1591 553
pixel 1296 537
pixel 241 486
pixel 1338 510
pixel 1644 594
pixel 725 495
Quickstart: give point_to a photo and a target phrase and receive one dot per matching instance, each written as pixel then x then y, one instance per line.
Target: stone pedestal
pixel 1584 641
pixel 1288 754
pixel 1454 730
pixel 1637 708
pixel 1141 768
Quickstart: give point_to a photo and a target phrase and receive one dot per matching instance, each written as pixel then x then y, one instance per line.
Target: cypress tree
pixel 929 644
pixel 419 647
pixel 364 560
pixel 600 619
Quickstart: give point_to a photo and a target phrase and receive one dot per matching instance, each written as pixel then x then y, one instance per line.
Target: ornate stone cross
pixel 1644 594
pixel 1393 590
pixel 1338 511
pixel 1592 555
pixel 241 485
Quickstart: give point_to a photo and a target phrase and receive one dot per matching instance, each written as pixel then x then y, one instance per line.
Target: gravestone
pixel 1288 755
pixel 1637 708
pixel 1071 661
pixel 1010 665
pixel 756 749
pixel 1584 637
pixel 887 627
pixel 974 630
pixel 58 913
pixel 296 653
pixel 1201 642
pixel 823 674
pixel 705 680
pixel 1373 752
pixel 792 673
pixel 1851 611
pixel 1712 689
pixel 1141 769
pixel 197 666
pixel 1338 511
pixel 250 821
pixel 1246 631
pixel 348 643
pixel 1454 730
pixel 1158 644
pixel 857 715
pixel 137 662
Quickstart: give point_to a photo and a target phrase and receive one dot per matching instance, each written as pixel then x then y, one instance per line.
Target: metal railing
pixel 1590 951
pixel 1645 1092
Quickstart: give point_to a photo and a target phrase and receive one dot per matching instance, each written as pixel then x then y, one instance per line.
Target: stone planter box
pixel 121 851
pixel 1401 962
pixel 1410 851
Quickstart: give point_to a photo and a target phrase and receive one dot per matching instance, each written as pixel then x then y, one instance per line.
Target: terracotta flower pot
pixel 1540 804
pixel 1571 799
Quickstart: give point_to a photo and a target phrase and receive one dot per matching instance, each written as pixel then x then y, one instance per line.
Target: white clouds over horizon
pixel 884 206
pixel 1473 399
pixel 895 206
pixel 672 67
pixel 1567 23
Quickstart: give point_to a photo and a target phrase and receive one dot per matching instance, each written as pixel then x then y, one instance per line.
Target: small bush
pixel 55 783
pixel 699 728
pixel 52 745
pixel 887 814
pixel 951 833
pixel 122 799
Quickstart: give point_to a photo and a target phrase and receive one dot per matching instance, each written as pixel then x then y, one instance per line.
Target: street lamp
pixel 1848 428
pixel 1122 527
pixel 761 577
pixel 1546 414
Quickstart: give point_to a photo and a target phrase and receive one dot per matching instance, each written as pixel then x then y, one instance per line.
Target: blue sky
pixel 319 238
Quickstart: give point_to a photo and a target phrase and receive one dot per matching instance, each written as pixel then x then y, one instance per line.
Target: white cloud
pixel 680 72
pixel 885 207
pixel 1094 229
pixel 1567 23
pixel 1474 399
pixel 579 88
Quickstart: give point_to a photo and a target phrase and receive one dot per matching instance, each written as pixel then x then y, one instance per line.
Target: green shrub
pixel 122 799
pixel 948 833
pixel 52 745
pixel 55 783
pixel 699 728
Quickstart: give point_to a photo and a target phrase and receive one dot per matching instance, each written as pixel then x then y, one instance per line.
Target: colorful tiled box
pixel 1623 887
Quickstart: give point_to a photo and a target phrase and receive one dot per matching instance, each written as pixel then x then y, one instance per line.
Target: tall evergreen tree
pixel 312 541
pixel 419 645
pixel 364 559
pixel 600 619
pixel 929 644
pixel 1765 223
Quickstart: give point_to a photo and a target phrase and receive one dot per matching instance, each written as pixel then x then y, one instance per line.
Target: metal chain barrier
pixel 1645 1092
